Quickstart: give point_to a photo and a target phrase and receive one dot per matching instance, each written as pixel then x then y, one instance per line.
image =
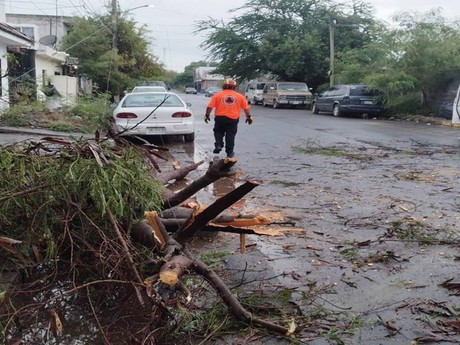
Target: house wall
pixel 4 98
pixel 67 87
pixel 47 66
pixel 49 71
pixel 204 77
pixel 45 24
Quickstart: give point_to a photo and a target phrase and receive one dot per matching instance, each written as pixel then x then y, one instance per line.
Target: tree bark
pixel 197 222
pixel 215 171
pixel 179 174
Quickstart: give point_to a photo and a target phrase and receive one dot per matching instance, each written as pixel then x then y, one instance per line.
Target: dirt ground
pixel 377 261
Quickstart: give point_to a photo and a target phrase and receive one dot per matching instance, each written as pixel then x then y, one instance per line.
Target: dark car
pixel 349 99
pixel 212 91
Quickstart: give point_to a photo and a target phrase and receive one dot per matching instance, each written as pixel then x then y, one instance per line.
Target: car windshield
pixel 363 90
pixel 152 100
pixel 289 87
pixel 149 89
pixel 260 86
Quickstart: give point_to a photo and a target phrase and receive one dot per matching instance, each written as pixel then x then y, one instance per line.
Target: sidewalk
pixel 43 132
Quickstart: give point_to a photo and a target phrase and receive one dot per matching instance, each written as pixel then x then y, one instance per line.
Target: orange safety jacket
pixel 228 103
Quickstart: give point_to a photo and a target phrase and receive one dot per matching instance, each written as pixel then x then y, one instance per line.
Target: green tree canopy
pixel 90 39
pixel 419 54
pixel 285 38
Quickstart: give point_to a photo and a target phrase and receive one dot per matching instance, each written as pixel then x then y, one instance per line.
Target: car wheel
pixel 314 109
pixel 336 111
pixel 275 105
pixel 189 137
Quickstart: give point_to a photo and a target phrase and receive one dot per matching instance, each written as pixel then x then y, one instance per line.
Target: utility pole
pixel 114 24
pixel 332 23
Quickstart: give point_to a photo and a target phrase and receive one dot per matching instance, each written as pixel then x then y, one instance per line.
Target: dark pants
pixel 225 127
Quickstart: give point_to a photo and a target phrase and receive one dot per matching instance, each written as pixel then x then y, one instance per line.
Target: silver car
pixel 149 89
pixel 154 113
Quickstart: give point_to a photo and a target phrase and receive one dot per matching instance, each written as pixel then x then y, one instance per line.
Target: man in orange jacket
pixel 228 105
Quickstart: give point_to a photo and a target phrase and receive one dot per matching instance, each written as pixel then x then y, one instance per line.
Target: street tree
pixel 426 49
pixel 288 39
pixel 91 41
pixel 417 58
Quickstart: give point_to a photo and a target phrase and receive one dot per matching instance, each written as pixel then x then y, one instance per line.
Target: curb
pixel 41 132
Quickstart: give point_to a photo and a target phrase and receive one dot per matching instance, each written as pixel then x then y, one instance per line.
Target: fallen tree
pixel 74 212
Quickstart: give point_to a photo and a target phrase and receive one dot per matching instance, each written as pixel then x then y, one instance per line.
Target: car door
pixel 320 101
pixel 329 99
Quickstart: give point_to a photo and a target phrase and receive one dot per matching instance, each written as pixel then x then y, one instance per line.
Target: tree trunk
pixel 178 174
pixel 215 171
pixel 197 222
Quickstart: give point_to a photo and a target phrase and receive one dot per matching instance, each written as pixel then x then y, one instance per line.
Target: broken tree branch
pixel 179 174
pixel 215 171
pixel 196 223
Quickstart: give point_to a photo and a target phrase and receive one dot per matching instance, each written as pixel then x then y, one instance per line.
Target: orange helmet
pixel 229 84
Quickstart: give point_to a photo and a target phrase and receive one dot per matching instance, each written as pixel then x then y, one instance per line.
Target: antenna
pixel 48 40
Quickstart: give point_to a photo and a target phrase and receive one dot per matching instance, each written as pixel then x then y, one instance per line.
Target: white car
pixel 154 113
pixel 149 89
pixel 253 92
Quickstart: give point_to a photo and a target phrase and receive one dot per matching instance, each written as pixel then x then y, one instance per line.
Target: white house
pixel 12 39
pixel 51 66
pixel 204 77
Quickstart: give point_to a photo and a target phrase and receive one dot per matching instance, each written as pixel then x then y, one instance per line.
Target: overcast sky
pixel 172 22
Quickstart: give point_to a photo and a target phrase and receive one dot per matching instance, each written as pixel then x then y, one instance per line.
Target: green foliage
pixel 45 196
pixel 287 39
pixel 213 258
pixel 62 126
pixel 418 55
pixel 93 110
pixel 404 104
pixel 21 115
pixel 89 114
pixel 114 70
pixel 22 89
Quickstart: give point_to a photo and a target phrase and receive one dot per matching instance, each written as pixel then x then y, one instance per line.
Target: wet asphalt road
pixel 350 259
pixel 366 209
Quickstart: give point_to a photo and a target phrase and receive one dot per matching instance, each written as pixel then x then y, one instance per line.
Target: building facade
pixel 205 77
pixel 10 40
pixel 52 67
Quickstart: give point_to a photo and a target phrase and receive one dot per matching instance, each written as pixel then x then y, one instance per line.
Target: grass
pixel 312 147
pixel 410 229
pixel 214 258
pixel 349 254
pixel 285 183
pixel 86 116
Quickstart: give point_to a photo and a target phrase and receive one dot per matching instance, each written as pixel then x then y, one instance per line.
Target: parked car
pixel 287 94
pixel 149 89
pixel 445 104
pixel 349 99
pixel 155 83
pixel 154 113
pixel 211 91
pixel 190 90
pixel 253 92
